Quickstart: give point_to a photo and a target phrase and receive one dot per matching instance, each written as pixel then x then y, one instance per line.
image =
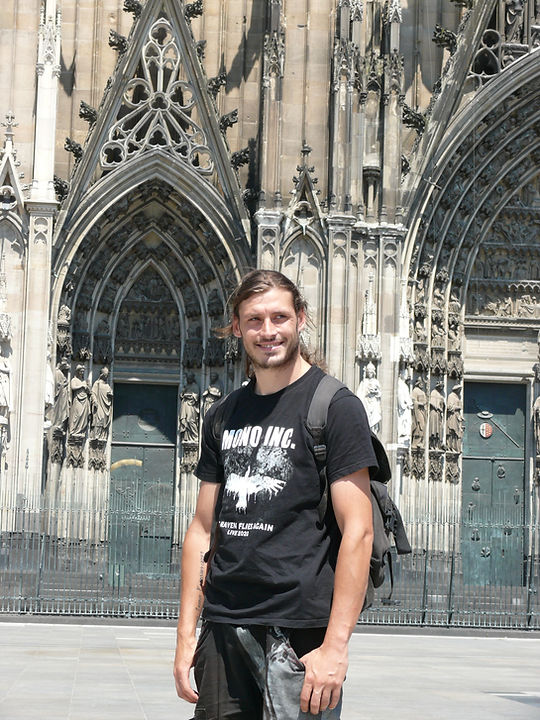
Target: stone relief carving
pixel 454 420
pixel 5 387
pixel 274 55
pixel 63 335
pixel 60 412
pixel 421 361
pixel 214 306
pixel 404 409
pixel 212 394
pixel 369 392
pixel 49 392
pixel 452 469
pixel 79 418
pixel 189 411
pixel 214 352
pixel 368 344
pixel 101 398
pixel 536 426
pixel 435 466
pixel 418 419
pixel 148 323
pixel 436 413
pixel 193 348
pixel 418 464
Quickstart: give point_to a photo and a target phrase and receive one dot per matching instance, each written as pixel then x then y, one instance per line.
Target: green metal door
pixel 142 480
pixel 493 484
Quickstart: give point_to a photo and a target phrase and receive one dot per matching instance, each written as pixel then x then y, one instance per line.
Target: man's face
pixel 269 328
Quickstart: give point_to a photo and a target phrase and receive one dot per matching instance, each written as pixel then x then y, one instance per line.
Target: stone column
pixel 41 209
pixel 34 350
pixel 341 331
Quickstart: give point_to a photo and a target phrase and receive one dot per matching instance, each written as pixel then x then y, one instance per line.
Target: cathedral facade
pixel 383 154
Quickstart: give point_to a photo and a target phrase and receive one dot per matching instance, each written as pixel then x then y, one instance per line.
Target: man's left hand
pixel 325 673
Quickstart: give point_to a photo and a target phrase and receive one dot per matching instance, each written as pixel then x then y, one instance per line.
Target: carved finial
pixel 134 7
pixel 306 150
pixel 216 83
pixel 228 120
pixel 239 158
pixel 87 112
pixel 73 147
pixel 414 119
pixel 61 188
pixel 193 10
pixel 118 42
pixel 200 45
pixel 9 124
pixel 394 12
pixel 444 38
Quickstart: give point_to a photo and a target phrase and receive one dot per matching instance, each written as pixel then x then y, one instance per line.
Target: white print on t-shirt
pixel 249 436
pixel 248 486
pixel 257 465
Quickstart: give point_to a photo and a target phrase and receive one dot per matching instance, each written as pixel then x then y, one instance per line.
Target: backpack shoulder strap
pixel 316 424
pixel 318 414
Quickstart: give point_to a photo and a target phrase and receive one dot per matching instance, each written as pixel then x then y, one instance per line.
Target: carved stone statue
pixel 404 407
pixel 79 413
pixel 212 394
pixel 436 411
pixel 369 392
pixel 189 410
pixel 49 391
pixel 60 412
pixel 5 387
pixel 454 420
pixel 536 424
pixel 101 404
pixel 419 400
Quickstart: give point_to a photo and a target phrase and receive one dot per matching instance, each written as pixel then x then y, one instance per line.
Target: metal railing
pixel 125 563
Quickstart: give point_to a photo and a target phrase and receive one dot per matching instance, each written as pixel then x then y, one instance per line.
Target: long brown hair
pixel 260 281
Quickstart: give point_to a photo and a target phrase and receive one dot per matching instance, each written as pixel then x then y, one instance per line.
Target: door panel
pixel 142 480
pixel 493 484
pixel 144 414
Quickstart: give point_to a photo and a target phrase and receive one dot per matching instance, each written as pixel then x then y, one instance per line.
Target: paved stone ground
pixel 123 672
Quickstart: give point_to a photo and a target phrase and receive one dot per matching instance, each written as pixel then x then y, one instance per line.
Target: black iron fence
pixel 127 563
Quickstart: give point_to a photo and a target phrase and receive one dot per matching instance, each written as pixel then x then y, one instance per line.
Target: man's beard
pixel 276 362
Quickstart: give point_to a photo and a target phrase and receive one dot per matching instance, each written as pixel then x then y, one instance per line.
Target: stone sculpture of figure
pixel 436 411
pixel 454 420
pixel 5 387
pixel 536 425
pixel 49 389
pixel 101 404
pixel 189 410
pixel 419 400
pixel 404 408
pixel 60 412
pixel 369 392
pixel 212 394
pixel 79 412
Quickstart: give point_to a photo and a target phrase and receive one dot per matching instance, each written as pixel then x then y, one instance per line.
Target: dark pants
pixel 253 672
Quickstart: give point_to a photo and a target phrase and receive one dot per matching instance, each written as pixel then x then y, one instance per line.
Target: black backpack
pixel 386 517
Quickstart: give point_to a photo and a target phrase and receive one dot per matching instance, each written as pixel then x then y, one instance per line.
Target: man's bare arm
pixel 196 544
pixel 326 666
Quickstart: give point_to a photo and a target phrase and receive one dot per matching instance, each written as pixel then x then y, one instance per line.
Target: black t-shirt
pixel 273 562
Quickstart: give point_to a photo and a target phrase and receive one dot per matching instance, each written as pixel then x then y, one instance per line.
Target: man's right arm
pixel 196 544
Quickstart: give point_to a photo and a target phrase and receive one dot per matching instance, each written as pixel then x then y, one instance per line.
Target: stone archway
pixel 471 256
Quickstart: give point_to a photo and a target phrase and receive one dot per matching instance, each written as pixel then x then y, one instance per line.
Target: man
pixel 283 591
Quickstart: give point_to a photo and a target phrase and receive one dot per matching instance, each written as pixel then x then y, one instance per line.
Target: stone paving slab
pixel 55 671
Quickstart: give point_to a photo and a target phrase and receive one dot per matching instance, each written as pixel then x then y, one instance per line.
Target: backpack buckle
pixel 320 452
